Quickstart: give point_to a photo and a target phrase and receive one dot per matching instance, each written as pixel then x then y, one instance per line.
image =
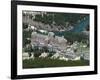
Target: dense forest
pixel 61 19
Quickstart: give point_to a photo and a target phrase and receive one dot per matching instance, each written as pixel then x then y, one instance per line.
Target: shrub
pixel 46 62
pixel 25 25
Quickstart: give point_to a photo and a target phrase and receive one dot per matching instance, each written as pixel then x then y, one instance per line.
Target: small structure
pixel 63 58
pixel 43 55
pixel 43 31
pixel 33 28
pixel 55 56
pixel 76 58
pixel 25 55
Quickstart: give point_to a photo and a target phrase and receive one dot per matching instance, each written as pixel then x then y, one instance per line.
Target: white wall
pixel 5 30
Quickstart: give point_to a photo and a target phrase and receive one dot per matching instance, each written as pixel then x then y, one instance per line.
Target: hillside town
pixel 62 48
pixel 51 36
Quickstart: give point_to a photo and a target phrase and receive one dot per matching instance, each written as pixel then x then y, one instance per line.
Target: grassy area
pixel 47 62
